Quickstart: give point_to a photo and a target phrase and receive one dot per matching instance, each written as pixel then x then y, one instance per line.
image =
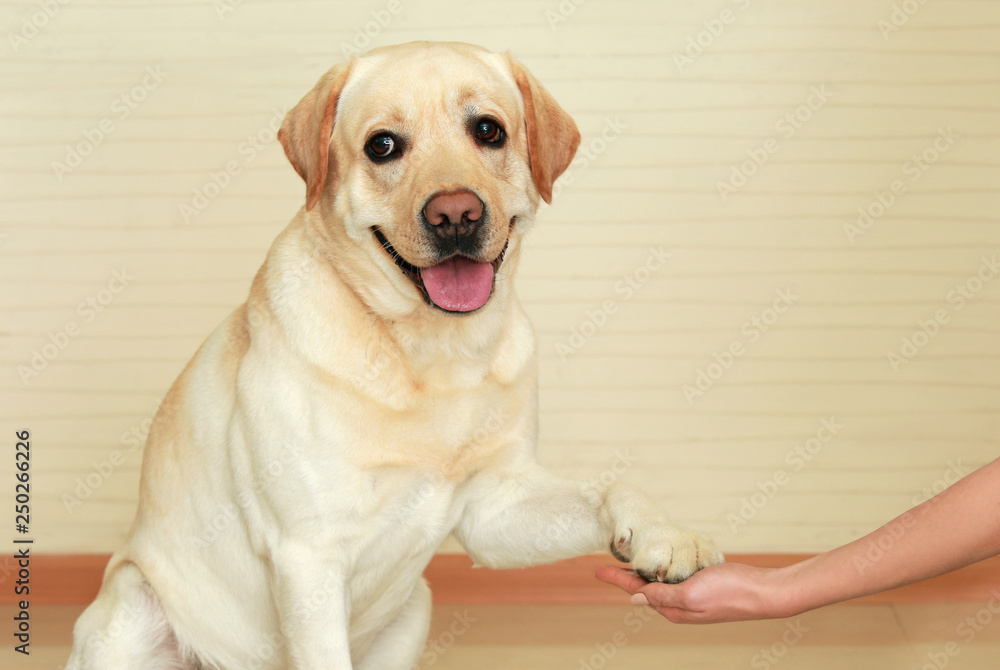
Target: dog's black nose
pixel 455 214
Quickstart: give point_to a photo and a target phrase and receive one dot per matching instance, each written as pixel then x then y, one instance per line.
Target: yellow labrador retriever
pixel 376 392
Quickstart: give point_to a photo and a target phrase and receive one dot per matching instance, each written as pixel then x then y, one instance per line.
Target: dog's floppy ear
pixel 307 129
pixel 552 135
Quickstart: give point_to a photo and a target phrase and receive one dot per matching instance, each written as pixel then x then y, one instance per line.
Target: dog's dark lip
pixel 412 272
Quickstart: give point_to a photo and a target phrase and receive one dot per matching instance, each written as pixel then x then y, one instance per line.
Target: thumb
pixel 658 594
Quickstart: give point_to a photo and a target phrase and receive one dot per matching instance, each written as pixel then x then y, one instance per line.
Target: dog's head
pixel 423 163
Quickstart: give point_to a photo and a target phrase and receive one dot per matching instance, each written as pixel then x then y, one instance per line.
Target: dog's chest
pixel 414 512
pixel 449 436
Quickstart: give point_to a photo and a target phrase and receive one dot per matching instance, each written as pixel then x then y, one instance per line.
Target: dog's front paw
pixel 660 552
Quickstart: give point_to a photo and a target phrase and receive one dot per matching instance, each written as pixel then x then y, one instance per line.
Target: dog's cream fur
pixel 331 433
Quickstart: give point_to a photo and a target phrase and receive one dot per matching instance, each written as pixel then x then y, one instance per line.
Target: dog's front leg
pixel 520 515
pixel 313 605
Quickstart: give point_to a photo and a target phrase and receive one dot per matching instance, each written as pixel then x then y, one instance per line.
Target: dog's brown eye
pixel 489 131
pixel 382 146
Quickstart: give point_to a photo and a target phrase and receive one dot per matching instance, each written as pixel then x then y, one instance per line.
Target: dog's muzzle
pixel 455 222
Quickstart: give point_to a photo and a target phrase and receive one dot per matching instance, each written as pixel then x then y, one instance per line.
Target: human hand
pixel 716 594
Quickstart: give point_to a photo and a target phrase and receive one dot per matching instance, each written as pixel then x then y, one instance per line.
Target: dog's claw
pixel 666 554
pixel 621 548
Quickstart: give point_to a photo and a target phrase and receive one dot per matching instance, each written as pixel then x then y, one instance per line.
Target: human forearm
pixel 959 526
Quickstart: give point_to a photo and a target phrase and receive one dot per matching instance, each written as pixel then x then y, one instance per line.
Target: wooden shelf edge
pixel 75 579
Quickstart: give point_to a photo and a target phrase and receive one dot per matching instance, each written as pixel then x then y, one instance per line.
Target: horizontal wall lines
pixel 802 138
pixel 771 272
pixel 261 87
pixel 762 414
pixel 242 280
pixel 687 219
pixel 151 116
pixel 556 218
pixel 611 167
pixel 576 298
pixel 98 173
pixel 979 357
pixel 587 299
pixel 605 280
pixel 148 251
pixel 135 195
pixel 486 32
pixel 598 455
pixel 129 4
pixel 545 245
pixel 618 411
pixel 800 383
pixel 277 224
pixel 757 382
pixel 653 356
pixel 709 189
pixel 232 142
pixel 174 337
pixel 759 192
pixel 780 106
pixel 773 437
pixel 544 356
pixel 293 90
pixel 881 49
pixel 721 330
pixel 828 473
pixel 609 332
pixel 885 86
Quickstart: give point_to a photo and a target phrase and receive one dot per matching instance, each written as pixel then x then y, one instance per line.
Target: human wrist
pixel 783 591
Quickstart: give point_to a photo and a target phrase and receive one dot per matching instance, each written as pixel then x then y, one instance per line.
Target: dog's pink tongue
pixel 459 284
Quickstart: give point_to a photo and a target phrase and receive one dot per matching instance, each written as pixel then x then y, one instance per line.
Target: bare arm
pixel 959 526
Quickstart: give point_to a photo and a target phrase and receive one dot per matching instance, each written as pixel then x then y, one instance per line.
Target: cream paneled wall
pixel 724 348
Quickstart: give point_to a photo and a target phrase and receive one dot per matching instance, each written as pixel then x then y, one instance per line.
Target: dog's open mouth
pixel 457 284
